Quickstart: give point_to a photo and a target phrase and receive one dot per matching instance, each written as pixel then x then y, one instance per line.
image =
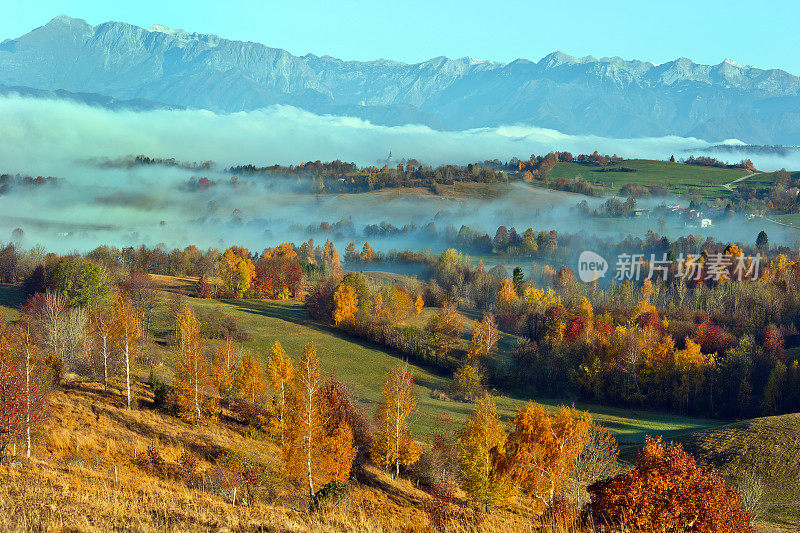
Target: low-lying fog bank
pixel 91 203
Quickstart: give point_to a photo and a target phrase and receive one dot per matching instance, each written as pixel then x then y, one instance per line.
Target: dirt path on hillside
pixel 734 182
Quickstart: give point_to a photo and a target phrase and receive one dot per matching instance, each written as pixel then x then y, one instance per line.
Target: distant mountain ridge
pixel 610 96
pixel 92 99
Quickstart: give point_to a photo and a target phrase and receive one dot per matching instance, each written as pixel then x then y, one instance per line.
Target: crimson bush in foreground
pixel 667 491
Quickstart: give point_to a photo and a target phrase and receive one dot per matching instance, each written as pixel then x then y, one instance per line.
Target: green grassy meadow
pixel 677 178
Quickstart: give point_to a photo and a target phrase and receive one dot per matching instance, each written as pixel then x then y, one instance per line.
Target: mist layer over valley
pixel 96 197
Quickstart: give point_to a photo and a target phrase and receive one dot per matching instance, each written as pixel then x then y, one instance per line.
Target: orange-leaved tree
pixel 250 385
pixel 314 450
pixel 125 331
pixel 444 330
pixel 392 444
pixel 541 449
pixel 278 269
pixel 667 491
pixel 192 372
pixel 280 373
pixel 419 303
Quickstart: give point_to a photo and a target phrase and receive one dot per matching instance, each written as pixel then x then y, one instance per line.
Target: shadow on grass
pixel 12 296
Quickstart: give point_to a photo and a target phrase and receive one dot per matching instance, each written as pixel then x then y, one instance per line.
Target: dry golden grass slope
pixel 84 477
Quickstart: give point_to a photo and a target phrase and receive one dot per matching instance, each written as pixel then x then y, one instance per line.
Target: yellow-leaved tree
pixel 192 372
pixel 223 373
pixel 345 304
pixel 444 330
pixel 125 330
pixel 280 373
pixel 315 451
pixel 484 338
pixel 250 385
pixel 392 444
pixel 483 434
pixel 541 449
pixel 236 270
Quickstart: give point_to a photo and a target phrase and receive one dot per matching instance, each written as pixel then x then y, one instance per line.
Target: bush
pixel 214 324
pixel 187 467
pixel 250 413
pixel 331 495
pixel 466 385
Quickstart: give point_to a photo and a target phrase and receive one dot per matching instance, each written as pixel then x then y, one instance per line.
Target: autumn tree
pixel 278 269
pixel 507 295
pixel 597 460
pixel 667 491
pixel 192 372
pixel 203 287
pixel 223 373
pixel 484 338
pixel 541 449
pixel 125 331
pixel 236 270
pixel 467 383
pixel 30 360
pixel 101 328
pixel 398 304
pixel 250 384
pixel 280 373
pixel 419 303
pixel 12 404
pixel 330 258
pixel 345 304
pixel 444 330
pixel 367 253
pixel 314 450
pixel 392 445
pixel 143 293
pixel 483 434
pixel 341 410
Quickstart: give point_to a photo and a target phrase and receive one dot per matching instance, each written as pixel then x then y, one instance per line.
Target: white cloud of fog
pixel 50 137
pixel 41 133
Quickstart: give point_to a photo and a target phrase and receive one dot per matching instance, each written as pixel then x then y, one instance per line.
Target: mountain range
pixel 158 67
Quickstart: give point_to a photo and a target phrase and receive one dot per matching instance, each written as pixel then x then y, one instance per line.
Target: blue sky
pixel 707 31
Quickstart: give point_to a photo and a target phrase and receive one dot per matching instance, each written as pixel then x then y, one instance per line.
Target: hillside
pixel 85 477
pixel 676 178
pixel 767 449
pixel 577 95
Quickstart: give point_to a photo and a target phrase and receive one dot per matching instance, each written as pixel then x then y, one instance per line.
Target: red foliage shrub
pixel 712 338
pixel 651 320
pixel 667 491
pixel 774 342
pixel 575 328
